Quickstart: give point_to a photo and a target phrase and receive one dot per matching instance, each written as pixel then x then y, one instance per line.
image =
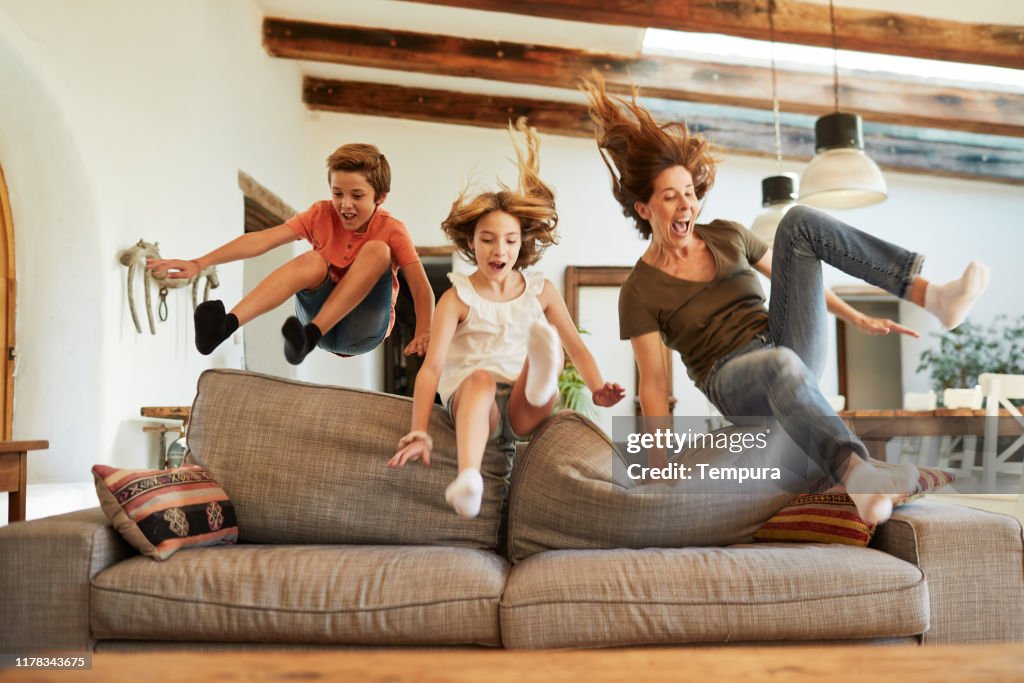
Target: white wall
pixel 124 120
pixel 132 120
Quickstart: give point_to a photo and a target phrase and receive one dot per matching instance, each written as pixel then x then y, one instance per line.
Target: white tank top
pixel 493 336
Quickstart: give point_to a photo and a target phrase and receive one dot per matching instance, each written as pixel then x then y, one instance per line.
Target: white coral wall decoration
pixel 135 258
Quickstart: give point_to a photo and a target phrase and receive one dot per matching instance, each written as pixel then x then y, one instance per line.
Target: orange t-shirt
pixel 321 226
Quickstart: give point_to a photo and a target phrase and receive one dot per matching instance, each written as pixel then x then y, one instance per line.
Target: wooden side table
pixel 13 474
pixel 166 413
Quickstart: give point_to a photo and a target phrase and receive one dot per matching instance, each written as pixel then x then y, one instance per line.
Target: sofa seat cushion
pixel 610 598
pixel 305 463
pixel 370 595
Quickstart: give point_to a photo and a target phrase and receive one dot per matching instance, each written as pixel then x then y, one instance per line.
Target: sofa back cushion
pixel 568 492
pixel 305 463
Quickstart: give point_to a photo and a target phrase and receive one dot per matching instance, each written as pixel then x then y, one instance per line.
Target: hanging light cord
pixel 775 94
pixel 835 53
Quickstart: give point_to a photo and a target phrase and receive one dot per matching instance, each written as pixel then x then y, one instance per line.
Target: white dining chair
pixel 999 391
pixel 924 450
pixel 953 399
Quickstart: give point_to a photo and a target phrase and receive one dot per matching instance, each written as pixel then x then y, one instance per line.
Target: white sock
pixel 951 302
pixel 543 352
pixel 466 493
pixel 874 490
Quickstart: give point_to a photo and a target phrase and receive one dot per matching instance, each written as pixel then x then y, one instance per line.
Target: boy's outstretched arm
pixel 604 393
pixel 243 247
pixel 423 301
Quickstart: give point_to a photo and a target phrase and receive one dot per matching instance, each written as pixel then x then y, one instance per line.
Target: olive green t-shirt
pixel 703 321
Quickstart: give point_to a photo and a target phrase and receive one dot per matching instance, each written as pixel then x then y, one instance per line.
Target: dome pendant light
pixel 841 175
pixel 778 192
pixel 778 195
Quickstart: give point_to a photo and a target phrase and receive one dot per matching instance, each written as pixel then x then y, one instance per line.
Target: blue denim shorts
pixel 503 430
pixel 360 331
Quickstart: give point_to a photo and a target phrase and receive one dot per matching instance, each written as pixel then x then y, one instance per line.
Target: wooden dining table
pixel 877 427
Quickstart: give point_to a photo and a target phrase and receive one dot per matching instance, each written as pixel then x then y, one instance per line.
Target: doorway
pixel 399 369
pixel 7 304
pixel 870 367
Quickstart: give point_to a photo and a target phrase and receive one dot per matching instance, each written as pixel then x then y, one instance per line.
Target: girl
pixel 499 326
pixel 695 288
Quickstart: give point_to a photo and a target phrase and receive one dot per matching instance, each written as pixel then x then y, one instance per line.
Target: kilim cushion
pixel 831 517
pixel 161 511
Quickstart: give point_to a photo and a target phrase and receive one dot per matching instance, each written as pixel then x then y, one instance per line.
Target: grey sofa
pixel 336 549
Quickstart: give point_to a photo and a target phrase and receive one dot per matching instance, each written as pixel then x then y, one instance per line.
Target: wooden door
pixel 7 305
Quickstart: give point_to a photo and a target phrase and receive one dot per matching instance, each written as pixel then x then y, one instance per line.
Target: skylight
pixel 714 47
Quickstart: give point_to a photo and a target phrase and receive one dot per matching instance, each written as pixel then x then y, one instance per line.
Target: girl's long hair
pixel 532 202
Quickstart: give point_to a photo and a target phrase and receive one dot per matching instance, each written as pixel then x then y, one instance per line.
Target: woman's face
pixel 496 242
pixel 672 208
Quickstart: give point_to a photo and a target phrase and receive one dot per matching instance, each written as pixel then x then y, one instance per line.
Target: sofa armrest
pixel 46 566
pixel 973 562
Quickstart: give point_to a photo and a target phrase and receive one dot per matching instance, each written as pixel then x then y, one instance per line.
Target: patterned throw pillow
pixel 161 511
pixel 831 517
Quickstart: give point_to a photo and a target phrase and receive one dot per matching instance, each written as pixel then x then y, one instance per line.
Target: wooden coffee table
pixel 791 664
pixel 13 474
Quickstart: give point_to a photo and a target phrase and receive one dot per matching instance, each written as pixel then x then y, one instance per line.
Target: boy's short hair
pixel 365 159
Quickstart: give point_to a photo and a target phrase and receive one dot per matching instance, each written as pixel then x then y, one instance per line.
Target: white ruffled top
pixel 493 336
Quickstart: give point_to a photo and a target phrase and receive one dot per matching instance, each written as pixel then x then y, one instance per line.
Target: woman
pixel 695 288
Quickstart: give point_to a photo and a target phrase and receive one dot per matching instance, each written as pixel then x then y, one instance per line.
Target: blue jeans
pixel 360 331
pixel 776 374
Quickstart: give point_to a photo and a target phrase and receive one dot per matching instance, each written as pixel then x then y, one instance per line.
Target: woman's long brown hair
pixel 636 149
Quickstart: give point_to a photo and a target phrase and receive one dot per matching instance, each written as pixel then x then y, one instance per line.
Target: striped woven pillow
pixel 831 517
pixel 161 511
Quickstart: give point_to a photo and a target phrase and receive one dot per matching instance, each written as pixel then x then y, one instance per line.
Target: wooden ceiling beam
pixel 907 103
pixel 803 23
pixel 891 151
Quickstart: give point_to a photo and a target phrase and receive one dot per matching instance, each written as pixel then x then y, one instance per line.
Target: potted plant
pixel 572 390
pixel 971 349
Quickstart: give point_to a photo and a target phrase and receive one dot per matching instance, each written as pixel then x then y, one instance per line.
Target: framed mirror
pixel 592 295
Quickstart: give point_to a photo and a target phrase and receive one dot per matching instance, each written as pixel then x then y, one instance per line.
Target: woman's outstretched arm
pixel 844 311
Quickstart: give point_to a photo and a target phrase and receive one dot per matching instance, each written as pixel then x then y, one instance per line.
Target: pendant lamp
pixel 778 195
pixel 778 192
pixel 841 175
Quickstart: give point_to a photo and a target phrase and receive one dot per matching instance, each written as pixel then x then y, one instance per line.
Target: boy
pixel 345 289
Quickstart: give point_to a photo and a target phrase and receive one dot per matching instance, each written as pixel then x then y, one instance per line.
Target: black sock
pixel 299 339
pixel 213 326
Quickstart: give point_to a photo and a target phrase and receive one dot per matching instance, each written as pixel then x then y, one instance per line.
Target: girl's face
pixel 353 199
pixel 672 208
pixel 496 243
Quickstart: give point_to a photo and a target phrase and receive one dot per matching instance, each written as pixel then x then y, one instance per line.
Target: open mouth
pixel 496 266
pixel 681 228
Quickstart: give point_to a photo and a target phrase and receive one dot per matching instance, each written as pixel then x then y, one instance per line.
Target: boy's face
pixel 353 199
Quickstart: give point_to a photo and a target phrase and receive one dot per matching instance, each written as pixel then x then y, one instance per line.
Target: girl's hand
pixel 418 345
pixel 415 445
pixel 175 269
pixel 608 395
pixel 878 326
